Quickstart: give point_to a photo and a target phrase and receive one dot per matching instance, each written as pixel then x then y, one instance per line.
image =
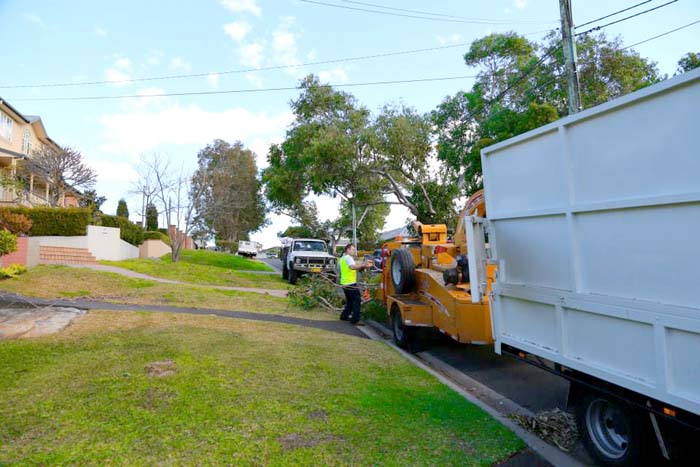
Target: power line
pixel 241 91
pixel 504 21
pixel 613 14
pixel 661 35
pixel 249 70
pixel 403 15
pixel 597 28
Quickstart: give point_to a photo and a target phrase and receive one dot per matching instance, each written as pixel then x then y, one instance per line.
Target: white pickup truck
pixel 249 249
pixel 594 224
pixel 302 256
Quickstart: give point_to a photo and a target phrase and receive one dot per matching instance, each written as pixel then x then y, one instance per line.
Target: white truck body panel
pixel 594 222
pixel 248 248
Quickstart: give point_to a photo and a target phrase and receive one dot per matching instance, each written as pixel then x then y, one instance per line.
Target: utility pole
pixel 569 45
pixel 354 227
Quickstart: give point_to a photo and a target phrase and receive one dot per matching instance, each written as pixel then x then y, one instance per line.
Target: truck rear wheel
pixel 285 272
pixel 613 432
pixel 403 271
pixel 402 334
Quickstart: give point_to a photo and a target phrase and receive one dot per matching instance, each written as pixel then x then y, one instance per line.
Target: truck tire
pixel 403 271
pixel 614 433
pixel 403 335
pixel 293 276
pixel 285 272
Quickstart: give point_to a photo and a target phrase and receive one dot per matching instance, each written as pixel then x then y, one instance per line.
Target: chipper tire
pixel 403 271
pixel 403 335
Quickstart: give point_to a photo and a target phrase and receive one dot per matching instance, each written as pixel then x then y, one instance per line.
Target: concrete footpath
pixel 138 275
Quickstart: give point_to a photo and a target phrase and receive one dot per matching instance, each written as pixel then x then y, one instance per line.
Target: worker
pixel 348 280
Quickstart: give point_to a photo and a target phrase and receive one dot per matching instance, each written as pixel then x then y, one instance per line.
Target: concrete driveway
pixel 16 323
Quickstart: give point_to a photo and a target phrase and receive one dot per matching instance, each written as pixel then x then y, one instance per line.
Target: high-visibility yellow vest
pixel 347 276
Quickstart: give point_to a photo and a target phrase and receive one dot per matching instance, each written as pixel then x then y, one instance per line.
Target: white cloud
pixel 35 19
pixel 311 56
pixel 120 71
pixel 123 63
pixel 284 46
pixel 450 39
pixel 213 80
pixel 100 32
pixel 120 78
pixel 237 30
pixel 242 6
pixel 254 79
pixel 154 57
pixel 178 63
pixel 337 75
pixel 110 171
pixel 138 131
pixel 252 54
pixel 520 4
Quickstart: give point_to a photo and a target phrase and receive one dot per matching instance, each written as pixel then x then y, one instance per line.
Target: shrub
pixel 8 242
pixel 128 231
pixel 155 235
pixel 14 223
pixel 13 270
pixel 314 291
pixel 69 222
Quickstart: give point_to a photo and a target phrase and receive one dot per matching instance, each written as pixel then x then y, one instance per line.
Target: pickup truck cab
pixel 305 256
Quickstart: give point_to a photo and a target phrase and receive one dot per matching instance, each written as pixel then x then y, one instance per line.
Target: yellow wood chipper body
pixel 425 283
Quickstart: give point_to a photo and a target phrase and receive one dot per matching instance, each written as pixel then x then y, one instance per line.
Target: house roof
pixel 4 103
pixel 392 234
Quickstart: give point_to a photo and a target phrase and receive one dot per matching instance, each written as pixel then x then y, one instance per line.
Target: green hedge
pixel 128 231
pixel 156 235
pixel 68 222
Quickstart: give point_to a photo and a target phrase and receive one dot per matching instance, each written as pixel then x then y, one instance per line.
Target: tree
pixel 90 199
pixel 335 147
pixel 230 204
pixel 63 168
pixel 122 209
pixel 151 217
pixel 688 62
pixel 173 194
pixel 522 86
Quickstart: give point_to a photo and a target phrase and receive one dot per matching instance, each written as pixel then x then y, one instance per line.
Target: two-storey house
pixel 20 136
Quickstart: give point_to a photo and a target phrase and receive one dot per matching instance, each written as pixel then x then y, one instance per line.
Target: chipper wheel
pixel 403 271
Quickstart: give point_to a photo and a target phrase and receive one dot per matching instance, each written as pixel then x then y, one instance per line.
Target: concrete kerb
pixel 550 453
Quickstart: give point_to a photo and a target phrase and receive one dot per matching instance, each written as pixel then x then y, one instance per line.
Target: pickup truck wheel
pixel 293 276
pixel 613 432
pixel 285 272
pixel 402 333
pixel 403 271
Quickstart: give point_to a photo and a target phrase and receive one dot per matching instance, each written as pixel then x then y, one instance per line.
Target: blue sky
pixel 78 41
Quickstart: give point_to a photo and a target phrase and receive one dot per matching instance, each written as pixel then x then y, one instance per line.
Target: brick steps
pixel 65 255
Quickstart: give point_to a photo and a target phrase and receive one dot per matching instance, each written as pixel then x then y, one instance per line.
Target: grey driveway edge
pixel 336 326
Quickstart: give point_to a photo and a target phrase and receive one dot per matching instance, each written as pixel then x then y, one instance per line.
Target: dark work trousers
pixel 352 303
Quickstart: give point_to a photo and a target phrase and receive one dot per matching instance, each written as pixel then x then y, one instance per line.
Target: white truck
pixel 302 256
pixel 248 248
pixel 593 222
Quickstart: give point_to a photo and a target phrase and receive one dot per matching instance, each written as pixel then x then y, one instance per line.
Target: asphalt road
pixel 275 263
pixel 528 386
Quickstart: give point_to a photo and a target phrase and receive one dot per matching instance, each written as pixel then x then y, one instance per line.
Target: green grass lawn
pixel 207 267
pixel 243 393
pixel 59 282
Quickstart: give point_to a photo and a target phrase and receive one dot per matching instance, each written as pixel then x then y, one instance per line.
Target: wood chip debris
pixel 554 426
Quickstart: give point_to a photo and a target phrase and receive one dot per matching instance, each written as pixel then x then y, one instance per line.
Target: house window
pixel 5 127
pixel 27 141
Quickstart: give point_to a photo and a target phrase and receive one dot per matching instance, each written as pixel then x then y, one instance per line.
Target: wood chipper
pixel 425 282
